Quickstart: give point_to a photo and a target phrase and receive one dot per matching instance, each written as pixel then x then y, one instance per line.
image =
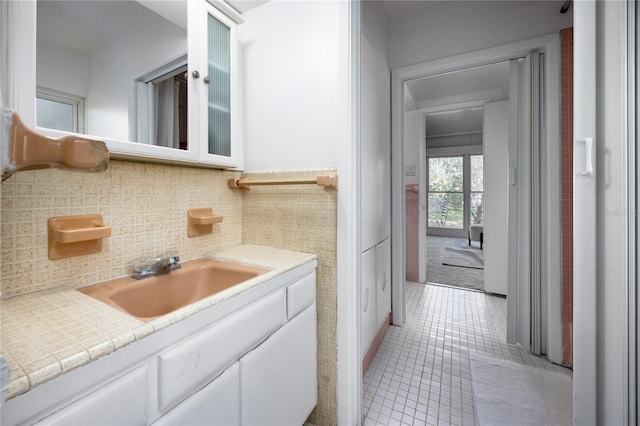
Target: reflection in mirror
pixel 113 69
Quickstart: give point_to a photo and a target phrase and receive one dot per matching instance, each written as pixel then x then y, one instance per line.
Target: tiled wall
pixel 303 218
pixel 566 39
pixel 413 237
pixel 145 205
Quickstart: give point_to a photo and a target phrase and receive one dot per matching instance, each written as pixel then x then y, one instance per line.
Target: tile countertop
pixel 46 333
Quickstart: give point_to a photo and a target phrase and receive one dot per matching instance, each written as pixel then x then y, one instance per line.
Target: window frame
pixel 76 102
pixel 472 191
pixel 466 191
pixel 429 192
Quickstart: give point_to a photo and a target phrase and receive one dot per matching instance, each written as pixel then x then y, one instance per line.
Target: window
pixel 59 110
pixel 456 192
pixel 446 192
pixel 161 106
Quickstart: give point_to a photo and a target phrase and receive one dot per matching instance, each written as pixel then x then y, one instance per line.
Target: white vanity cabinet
pixel 121 401
pixel 277 381
pixel 161 86
pixel 251 359
pixel 217 404
pixel 190 364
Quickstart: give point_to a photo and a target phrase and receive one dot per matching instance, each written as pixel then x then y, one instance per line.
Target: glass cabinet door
pixel 221 115
pixel 219 93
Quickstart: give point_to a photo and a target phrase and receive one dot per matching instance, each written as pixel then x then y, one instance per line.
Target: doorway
pixel 463 116
pixel 529 262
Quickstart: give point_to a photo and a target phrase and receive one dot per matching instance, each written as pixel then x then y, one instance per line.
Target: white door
pixel 604 211
pixel 584 242
pixel 520 300
pixel 496 197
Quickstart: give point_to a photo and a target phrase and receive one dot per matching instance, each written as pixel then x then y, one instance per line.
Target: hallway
pixel 440 273
pixel 421 374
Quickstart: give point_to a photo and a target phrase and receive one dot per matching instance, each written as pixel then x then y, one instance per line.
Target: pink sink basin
pixel 150 298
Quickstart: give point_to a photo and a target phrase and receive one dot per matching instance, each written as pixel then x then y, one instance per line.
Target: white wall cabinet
pixel 376 292
pixel 121 99
pixel 375 174
pixel 375 208
pixel 218 112
pixel 251 359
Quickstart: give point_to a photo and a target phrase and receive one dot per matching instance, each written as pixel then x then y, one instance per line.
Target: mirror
pixel 113 69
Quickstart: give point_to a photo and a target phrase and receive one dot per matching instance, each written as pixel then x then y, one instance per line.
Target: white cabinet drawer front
pixel 383 282
pixel 278 379
pixel 120 402
pixel 193 363
pixel 368 297
pixel 218 403
pixel 301 294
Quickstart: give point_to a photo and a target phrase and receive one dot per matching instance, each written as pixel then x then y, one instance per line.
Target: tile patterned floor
pixel 421 374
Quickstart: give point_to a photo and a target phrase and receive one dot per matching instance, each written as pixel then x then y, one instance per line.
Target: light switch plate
pixel 410 170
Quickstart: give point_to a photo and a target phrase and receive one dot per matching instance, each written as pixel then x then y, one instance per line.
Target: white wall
pixel 453 27
pixel 454 140
pixel 409 102
pixel 375 25
pixel 62 69
pixel 298 101
pixel 293 83
pixel 496 196
pixel 412 140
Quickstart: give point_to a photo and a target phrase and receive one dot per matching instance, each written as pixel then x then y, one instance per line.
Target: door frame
pixel 550 44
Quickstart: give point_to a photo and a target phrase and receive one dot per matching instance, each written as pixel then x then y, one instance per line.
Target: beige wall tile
pixel 145 205
pixel 303 218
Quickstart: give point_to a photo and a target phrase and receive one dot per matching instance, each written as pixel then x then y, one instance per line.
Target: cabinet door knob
pixel 195 74
pixel 206 79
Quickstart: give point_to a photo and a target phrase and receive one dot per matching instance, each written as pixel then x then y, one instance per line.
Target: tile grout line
pixel 422 372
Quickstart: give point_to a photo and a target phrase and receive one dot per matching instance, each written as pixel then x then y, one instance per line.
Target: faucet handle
pixel 172 259
pixel 143 267
pixel 171 256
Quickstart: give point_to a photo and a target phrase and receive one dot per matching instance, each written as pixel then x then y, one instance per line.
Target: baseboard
pixel 371 353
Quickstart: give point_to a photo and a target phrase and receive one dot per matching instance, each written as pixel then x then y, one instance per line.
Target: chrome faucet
pixel 149 267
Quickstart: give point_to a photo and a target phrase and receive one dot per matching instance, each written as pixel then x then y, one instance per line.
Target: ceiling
pixel 243 6
pixel 399 8
pixel 468 120
pixel 395 8
pixel 490 81
pixel 475 85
